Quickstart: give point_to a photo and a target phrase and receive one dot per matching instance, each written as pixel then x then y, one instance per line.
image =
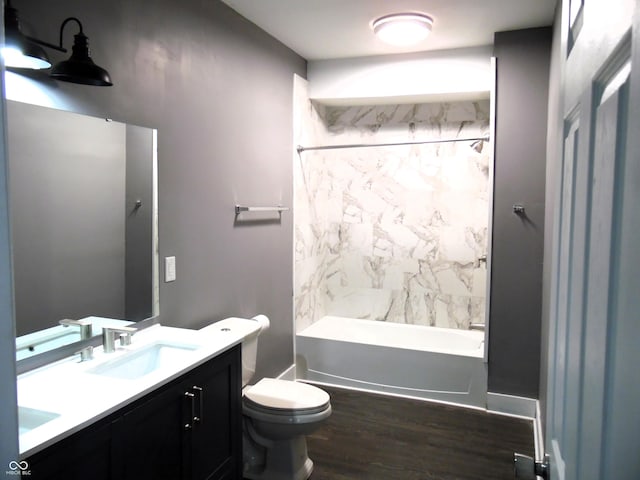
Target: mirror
pixel 83 202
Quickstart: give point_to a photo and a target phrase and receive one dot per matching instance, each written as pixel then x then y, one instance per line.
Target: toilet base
pixel 284 460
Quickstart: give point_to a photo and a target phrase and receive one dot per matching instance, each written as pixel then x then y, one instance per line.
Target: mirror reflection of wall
pixel 81 193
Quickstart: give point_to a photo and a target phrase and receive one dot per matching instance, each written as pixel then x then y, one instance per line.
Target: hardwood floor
pixel 370 436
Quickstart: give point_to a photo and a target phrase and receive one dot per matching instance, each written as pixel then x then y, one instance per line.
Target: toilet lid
pixel 286 395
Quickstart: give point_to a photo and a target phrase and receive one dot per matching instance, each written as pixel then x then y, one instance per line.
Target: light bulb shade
pixel 403 29
pixel 18 51
pixel 80 68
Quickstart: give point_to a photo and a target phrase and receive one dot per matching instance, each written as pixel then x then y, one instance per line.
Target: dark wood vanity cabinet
pixel 188 429
pixel 86 454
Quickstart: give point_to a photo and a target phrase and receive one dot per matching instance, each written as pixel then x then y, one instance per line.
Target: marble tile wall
pixel 310 252
pixel 391 233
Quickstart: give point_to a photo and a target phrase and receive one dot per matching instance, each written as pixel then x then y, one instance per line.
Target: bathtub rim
pixel 479 352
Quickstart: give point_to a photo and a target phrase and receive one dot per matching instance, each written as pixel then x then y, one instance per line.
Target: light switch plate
pixel 169 269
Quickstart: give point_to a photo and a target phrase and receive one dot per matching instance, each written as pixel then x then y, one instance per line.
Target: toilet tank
pixel 250 329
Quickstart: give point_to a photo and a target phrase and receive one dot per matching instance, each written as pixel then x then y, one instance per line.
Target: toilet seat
pixel 283 398
pixel 274 394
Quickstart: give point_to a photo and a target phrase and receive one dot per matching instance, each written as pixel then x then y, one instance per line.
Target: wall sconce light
pixel 79 68
pixel 21 51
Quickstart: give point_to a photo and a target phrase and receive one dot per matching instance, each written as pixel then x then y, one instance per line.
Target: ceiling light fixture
pixel 403 29
pixel 21 51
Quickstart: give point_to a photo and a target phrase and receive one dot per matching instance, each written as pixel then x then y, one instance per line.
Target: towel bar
pixel 277 208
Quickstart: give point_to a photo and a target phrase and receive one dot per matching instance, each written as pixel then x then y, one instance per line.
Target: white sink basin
pixel 144 361
pixel 30 418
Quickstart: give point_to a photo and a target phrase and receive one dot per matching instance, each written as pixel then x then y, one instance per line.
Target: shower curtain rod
pixel 301 149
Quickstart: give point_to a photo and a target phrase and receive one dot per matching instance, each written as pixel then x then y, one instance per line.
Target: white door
pixel 593 397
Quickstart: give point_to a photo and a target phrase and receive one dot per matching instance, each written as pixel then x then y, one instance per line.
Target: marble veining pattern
pixel 390 233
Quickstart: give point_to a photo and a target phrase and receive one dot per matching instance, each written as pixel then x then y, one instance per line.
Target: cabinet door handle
pixel 189 396
pixel 198 418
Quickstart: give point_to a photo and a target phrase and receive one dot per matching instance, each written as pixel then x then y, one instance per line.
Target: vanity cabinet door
pixel 216 437
pixel 86 454
pixel 151 438
pixel 189 429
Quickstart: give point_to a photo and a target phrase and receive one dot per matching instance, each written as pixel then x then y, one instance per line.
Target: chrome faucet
pixel 86 330
pixel 481 259
pixel 109 337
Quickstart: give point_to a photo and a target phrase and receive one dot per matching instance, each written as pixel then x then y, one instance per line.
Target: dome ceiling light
pixel 403 29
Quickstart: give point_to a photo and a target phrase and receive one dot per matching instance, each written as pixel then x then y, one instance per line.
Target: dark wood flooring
pixel 370 436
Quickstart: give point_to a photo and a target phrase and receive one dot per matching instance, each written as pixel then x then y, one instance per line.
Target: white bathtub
pixel 411 360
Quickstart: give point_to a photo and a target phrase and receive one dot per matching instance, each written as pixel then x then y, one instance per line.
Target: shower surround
pixel 392 233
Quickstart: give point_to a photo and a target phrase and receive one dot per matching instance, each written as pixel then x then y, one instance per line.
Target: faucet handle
pixel 125 338
pixel 86 353
pixel 481 259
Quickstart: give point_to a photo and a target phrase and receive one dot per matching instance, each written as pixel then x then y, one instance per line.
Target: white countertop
pixel 80 398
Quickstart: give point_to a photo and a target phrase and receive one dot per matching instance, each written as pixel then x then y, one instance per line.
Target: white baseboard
pixel 512 405
pixel 521 407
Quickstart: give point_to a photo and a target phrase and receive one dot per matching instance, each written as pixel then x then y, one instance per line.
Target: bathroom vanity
pixel 85 218
pixel 144 412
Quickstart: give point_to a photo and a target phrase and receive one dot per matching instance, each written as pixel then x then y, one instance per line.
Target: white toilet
pixel 277 414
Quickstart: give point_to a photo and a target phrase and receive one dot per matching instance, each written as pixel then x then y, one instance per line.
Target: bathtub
pixel 410 360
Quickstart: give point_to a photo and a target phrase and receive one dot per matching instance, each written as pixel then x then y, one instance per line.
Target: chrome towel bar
pixel 277 208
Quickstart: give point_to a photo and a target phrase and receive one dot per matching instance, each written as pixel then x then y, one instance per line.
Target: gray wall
pixel 219 91
pixel 516 271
